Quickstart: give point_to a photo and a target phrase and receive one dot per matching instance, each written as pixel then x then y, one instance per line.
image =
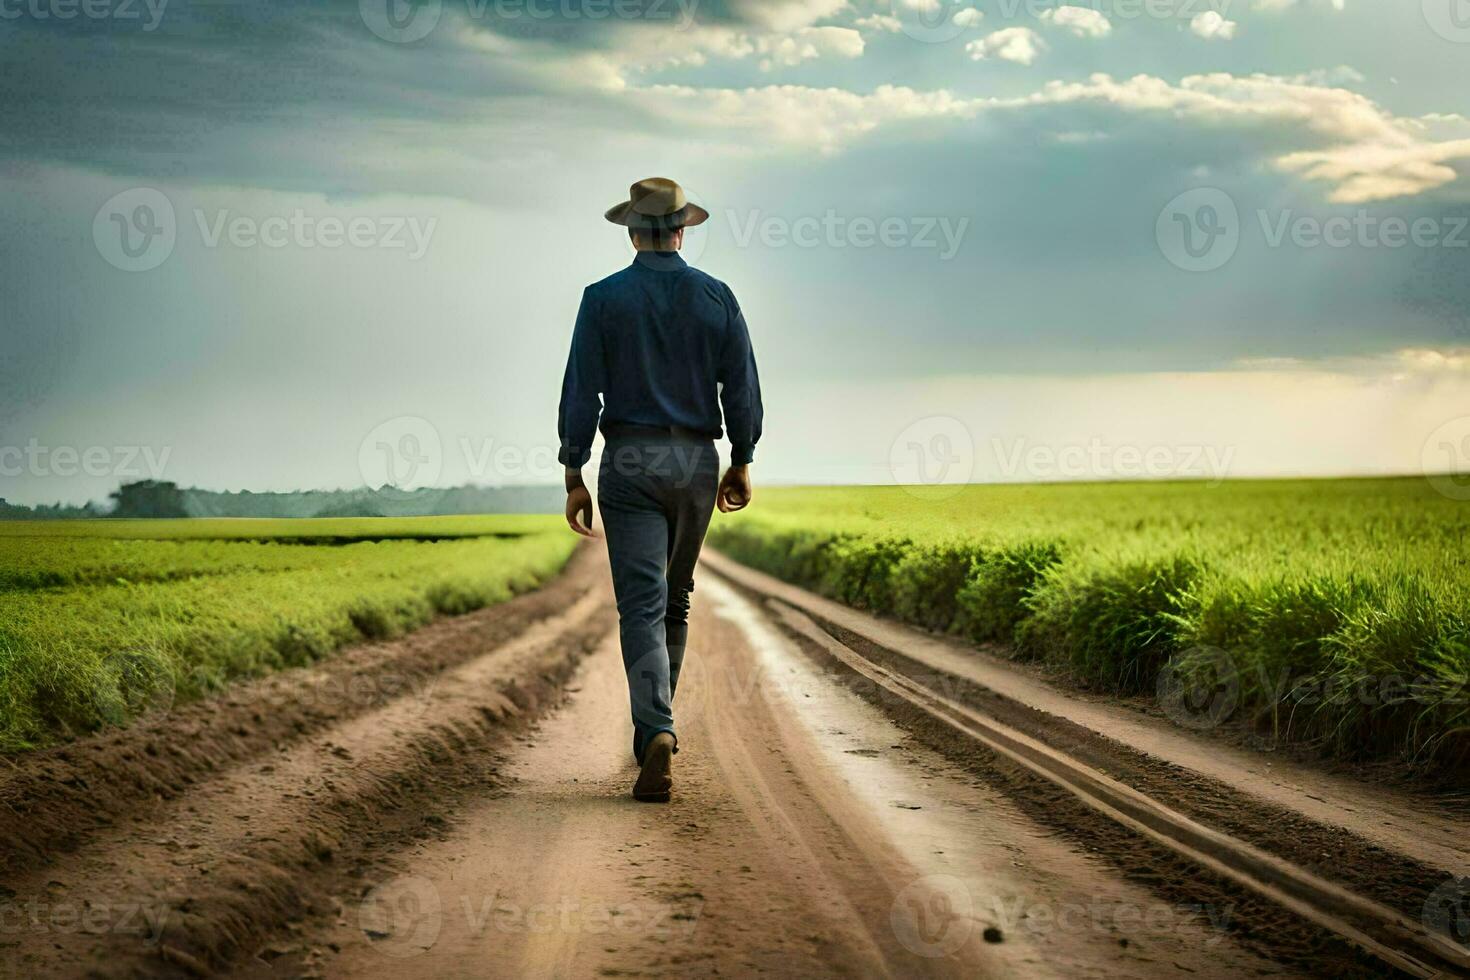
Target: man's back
pixel 658 341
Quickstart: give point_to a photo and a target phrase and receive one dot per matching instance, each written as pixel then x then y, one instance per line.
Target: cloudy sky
pixel 276 245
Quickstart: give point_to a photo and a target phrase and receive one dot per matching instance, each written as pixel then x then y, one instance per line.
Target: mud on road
pixel 456 803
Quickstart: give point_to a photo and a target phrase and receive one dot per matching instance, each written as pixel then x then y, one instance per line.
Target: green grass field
pixel 100 620
pixel 1335 613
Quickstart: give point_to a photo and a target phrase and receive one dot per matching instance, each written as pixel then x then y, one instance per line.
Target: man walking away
pixel 666 347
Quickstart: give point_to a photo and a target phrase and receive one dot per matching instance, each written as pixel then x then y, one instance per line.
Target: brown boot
pixel 655 779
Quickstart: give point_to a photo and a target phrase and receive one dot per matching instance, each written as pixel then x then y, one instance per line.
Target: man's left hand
pixel 734 492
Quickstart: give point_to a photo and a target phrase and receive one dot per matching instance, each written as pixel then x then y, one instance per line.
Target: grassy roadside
pixel 1335 613
pixel 102 620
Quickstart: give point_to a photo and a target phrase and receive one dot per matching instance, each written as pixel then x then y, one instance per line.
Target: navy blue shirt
pixel 663 344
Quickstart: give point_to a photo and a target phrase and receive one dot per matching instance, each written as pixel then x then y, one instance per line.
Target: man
pixel 665 346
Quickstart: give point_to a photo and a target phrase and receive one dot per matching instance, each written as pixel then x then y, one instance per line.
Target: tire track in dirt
pixel 188 884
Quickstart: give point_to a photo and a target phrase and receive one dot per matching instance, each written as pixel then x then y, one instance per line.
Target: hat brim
pixel 688 216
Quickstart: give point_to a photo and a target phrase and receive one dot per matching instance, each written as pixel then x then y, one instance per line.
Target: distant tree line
pixel 163 498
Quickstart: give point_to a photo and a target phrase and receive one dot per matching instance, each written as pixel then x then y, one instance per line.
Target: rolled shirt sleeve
pixel 740 387
pixel 582 387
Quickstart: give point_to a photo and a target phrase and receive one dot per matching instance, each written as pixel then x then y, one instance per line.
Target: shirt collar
pixel 670 261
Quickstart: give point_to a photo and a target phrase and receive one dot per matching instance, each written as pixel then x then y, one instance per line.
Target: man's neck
pixel 661 259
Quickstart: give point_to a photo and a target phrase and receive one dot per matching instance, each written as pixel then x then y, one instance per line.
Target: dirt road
pixel 808 836
pixel 456 803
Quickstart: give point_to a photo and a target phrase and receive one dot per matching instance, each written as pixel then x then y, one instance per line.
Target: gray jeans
pixel 655 494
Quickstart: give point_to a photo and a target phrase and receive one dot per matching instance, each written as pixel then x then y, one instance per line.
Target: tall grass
pixel 97 628
pixel 1342 607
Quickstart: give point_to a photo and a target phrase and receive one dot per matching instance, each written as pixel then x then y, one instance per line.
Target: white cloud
pixel 1368 172
pixel 808 43
pixel 1212 27
pixel 1081 21
pixel 1341 75
pixel 786 15
pixel 880 22
pixel 1018 44
pixel 1278 5
pixel 968 17
pixel 796 114
pixel 629 51
pixel 1343 140
pixel 1370 155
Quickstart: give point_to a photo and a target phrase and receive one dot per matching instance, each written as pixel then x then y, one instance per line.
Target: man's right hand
pixel 579 511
